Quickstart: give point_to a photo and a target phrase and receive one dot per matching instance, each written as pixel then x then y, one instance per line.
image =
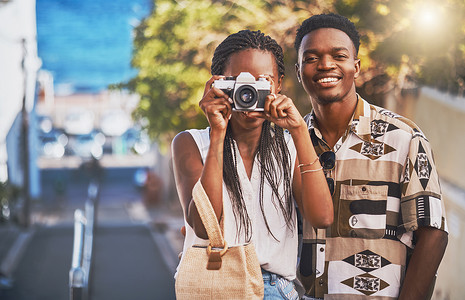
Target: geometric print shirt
pixel 386 186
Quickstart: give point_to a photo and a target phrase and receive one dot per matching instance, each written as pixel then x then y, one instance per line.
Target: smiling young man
pixel 379 167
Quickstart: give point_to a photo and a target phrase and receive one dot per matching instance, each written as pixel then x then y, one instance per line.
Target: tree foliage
pixel 407 43
pixel 173 48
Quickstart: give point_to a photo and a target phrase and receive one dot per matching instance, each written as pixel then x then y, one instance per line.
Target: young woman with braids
pixel 250 167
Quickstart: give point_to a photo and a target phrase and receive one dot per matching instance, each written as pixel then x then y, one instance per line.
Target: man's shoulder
pixel 379 114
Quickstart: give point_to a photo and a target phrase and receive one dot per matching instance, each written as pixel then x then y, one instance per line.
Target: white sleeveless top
pixel 279 257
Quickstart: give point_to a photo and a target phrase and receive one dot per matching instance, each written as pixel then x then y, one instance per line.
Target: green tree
pixel 174 47
pixel 175 44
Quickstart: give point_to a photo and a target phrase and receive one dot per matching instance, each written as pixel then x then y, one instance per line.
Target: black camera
pixel 247 93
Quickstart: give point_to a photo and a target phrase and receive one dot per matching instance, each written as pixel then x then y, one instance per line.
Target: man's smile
pixel 328 81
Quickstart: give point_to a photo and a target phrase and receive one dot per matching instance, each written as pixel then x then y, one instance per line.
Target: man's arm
pixel 427 255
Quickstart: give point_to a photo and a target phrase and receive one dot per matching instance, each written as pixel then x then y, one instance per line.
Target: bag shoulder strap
pixel 208 216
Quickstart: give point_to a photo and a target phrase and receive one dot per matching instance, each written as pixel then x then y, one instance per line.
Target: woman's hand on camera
pixel 281 110
pixel 216 105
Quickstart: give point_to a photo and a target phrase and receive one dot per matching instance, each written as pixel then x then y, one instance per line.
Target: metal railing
pixel 82 249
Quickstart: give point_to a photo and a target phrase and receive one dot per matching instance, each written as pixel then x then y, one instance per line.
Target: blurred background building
pixel 19 64
pixel 55 105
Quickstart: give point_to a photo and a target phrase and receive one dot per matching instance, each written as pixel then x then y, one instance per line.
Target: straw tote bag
pixel 217 271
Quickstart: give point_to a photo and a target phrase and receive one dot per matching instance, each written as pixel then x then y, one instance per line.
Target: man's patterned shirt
pixel 386 187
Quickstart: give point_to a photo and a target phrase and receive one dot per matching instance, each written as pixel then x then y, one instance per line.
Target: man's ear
pixel 357 68
pixel 297 72
pixel 279 86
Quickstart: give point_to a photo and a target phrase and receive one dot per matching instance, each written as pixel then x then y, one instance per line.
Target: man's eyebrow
pixel 309 51
pixel 336 49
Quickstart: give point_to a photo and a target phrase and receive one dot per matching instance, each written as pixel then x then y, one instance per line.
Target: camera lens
pixel 246 96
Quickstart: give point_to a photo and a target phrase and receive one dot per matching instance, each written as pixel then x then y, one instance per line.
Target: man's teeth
pixel 329 79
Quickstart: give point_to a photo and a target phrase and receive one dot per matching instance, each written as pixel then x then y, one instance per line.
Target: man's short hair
pixel 327 21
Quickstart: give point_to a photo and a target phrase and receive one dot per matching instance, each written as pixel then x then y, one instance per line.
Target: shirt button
pixel 364 189
pixel 322 249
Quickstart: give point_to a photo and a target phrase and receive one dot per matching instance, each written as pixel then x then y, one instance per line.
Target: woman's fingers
pixel 276 106
pixel 270 79
pixel 212 94
pixel 214 98
pixel 215 104
pixel 209 84
pixel 283 106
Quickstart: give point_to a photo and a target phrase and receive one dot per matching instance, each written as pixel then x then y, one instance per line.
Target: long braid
pixel 275 162
pixel 231 179
pixel 272 152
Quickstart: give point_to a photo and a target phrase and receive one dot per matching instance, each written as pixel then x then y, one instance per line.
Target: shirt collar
pixel 360 123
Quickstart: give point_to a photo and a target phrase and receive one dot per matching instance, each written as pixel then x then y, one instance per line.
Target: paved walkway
pixel 135 248
pixel 133 254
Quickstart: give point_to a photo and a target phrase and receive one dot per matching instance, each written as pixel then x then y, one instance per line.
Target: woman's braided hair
pixel 243 40
pixel 272 153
